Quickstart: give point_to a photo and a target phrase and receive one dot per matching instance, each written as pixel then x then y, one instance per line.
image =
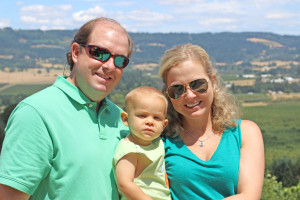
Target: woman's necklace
pixel 201 141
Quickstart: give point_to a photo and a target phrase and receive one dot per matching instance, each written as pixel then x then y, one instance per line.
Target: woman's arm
pixel 9 193
pixel 125 173
pixel 252 163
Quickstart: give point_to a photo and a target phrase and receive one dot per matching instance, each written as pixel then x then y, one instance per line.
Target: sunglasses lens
pixel 99 54
pixel 199 85
pixel 102 54
pixel 121 61
pixel 175 91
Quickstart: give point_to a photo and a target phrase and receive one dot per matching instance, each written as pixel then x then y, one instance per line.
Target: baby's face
pixel 146 119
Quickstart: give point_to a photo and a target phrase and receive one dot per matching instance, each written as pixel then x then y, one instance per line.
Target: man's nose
pixel 109 64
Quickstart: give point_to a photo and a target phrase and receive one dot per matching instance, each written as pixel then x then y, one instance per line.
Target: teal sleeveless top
pixel 192 178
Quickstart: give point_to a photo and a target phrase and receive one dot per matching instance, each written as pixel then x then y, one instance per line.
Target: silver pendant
pixel 201 144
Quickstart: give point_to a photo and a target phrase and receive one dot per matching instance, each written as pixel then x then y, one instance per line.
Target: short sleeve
pixel 124 148
pixel 27 150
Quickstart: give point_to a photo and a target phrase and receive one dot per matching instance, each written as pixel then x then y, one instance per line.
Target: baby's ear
pixel 124 117
pixel 166 123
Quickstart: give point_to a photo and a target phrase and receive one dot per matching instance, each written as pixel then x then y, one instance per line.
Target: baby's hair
pixel 143 91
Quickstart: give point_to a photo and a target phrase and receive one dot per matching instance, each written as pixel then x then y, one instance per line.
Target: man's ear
pixel 124 117
pixel 75 50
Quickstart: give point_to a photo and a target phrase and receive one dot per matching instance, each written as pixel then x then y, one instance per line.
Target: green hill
pixel 29 48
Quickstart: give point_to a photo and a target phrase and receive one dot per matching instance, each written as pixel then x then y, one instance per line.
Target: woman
pixel 210 152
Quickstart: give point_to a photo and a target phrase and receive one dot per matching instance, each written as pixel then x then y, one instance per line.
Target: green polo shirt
pixel 57 147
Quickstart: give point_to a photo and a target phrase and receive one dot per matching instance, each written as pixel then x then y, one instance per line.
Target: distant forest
pixel 22 48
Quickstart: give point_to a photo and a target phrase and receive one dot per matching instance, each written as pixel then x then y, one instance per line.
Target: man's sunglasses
pixel 102 54
pixel 198 85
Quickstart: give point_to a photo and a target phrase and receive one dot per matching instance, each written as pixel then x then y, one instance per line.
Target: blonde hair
pixel 144 91
pixel 225 110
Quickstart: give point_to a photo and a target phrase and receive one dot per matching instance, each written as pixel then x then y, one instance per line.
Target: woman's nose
pixel 189 93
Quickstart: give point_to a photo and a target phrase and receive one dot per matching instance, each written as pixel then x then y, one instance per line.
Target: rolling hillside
pixel 24 49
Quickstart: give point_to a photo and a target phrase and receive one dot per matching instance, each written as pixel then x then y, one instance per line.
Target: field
pixel 31 76
pixel 27 82
pixel 245 82
pixel 279 123
pixel 265 42
pixel 27 89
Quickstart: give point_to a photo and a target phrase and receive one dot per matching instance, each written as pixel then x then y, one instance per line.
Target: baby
pixel 139 165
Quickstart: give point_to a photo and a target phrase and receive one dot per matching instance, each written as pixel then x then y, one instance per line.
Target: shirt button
pixel 90 105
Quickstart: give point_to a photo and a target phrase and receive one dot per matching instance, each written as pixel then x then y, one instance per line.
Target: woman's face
pixel 191 105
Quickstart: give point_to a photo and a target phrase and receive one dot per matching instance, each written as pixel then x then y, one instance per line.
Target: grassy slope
pixel 23 89
pixel 279 123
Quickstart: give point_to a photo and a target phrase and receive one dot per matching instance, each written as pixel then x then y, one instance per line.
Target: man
pixel 60 141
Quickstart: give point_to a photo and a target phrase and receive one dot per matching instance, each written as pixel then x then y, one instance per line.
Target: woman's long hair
pixel 225 110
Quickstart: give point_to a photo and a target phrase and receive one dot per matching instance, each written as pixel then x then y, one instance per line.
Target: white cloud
pixel 85 15
pixel 266 3
pixel 4 22
pixel 41 10
pixel 148 16
pixel 234 15
pixel 163 15
pixel 44 28
pixel 34 20
pixel 143 20
pixel 46 16
pixel 279 15
pixel 19 3
pixel 179 2
pixel 216 21
pixel 198 7
pixel 121 3
pixel 65 7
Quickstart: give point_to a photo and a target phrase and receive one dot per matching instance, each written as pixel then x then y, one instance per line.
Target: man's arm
pixel 9 193
pixel 125 172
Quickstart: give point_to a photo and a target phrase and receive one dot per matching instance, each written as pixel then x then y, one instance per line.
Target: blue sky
pixel 192 16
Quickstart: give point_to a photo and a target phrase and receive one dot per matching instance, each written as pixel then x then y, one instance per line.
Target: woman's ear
pixel 214 77
pixel 124 117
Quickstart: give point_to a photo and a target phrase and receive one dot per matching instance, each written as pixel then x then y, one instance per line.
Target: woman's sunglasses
pixel 102 54
pixel 198 85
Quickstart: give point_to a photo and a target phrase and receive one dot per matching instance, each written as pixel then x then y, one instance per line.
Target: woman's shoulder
pixel 250 130
pixel 249 126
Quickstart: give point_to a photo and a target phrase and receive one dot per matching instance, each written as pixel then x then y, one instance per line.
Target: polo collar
pixel 74 93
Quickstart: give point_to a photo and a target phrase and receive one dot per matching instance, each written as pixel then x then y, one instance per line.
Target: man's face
pixel 96 79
